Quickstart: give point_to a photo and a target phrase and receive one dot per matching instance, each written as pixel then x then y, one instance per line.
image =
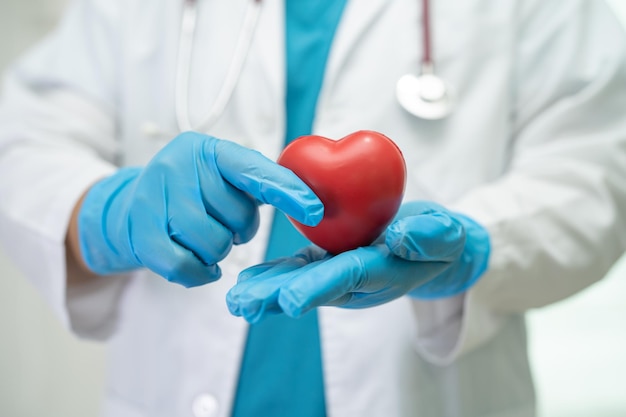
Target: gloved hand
pixel 428 253
pixel 182 213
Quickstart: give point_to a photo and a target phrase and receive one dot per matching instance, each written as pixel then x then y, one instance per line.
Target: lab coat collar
pixel 358 18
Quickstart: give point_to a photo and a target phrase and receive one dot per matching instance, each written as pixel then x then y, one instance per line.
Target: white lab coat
pixel 535 151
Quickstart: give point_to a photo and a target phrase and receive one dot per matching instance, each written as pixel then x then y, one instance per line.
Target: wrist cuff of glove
pixel 97 221
pixel 478 246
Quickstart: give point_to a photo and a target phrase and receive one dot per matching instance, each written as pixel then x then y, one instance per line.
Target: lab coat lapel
pixel 270 39
pixel 357 19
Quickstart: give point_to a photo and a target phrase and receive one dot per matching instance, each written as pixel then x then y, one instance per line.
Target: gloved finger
pixel 194 230
pixel 392 278
pixel 433 237
pixel 255 270
pixel 330 280
pixel 261 274
pixel 255 301
pixel 177 264
pixel 313 253
pixel 364 277
pixel 417 207
pixel 265 180
pixel 257 294
pixel 283 264
pixel 471 265
pixel 235 209
pixel 152 247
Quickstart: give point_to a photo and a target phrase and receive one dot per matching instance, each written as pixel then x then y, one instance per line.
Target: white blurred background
pixel 578 347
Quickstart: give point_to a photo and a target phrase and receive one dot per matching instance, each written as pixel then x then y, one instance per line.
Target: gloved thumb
pixel 427 237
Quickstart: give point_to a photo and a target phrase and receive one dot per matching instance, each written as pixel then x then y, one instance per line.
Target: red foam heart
pixel 360 179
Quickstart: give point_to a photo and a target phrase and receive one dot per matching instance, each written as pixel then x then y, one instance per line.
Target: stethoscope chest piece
pixel 425 96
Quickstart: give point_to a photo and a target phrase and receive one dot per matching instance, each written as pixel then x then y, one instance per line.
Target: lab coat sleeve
pixel 57 137
pixel 557 216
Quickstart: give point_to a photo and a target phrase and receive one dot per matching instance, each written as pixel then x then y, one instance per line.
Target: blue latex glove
pixel 182 213
pixel 427 252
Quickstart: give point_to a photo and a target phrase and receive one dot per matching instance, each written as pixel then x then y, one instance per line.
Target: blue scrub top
pixel 281 371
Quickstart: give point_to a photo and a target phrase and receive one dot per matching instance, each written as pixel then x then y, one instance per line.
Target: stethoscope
pixel 424 95
pixel 183 65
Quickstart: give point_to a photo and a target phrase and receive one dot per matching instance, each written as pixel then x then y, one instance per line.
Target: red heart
pixel 360 179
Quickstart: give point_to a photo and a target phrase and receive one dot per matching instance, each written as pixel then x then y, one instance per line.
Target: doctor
pixel 514 199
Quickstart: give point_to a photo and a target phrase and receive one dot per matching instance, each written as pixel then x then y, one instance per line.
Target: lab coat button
pixel 204 405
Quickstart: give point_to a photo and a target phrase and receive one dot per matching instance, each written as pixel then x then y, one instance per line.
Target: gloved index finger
pixel 268 182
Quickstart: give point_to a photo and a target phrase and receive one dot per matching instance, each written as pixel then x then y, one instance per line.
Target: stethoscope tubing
pixel 426 95
pixel 183 66
pixel 427 55
pixel 241 51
